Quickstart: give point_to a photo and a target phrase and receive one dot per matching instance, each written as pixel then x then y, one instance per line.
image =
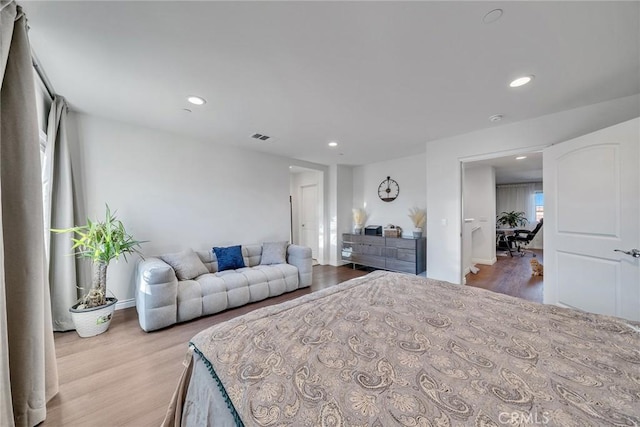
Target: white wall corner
pixel 484 261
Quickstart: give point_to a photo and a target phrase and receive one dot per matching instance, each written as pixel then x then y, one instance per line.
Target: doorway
pixel 307 209
pixel 309 218
pixel 489 187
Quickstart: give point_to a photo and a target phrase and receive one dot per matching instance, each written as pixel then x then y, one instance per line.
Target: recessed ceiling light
pixel 495 118
pixel 521 81
pixel 333 144
pixel 196 100
pixel 492 16
pixel 521 157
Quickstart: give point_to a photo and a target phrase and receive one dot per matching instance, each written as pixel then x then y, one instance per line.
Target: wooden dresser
pixel 387 253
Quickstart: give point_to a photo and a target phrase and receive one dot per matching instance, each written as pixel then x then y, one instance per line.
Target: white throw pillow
pixel 274 253
pixel 187 264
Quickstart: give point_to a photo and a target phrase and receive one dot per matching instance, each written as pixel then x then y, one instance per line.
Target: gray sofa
pixel 163 300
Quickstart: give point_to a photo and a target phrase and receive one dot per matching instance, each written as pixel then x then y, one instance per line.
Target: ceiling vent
pixel 260 136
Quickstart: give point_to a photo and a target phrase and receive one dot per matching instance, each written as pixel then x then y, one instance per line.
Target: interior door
pixel 592 193
pixel 309 218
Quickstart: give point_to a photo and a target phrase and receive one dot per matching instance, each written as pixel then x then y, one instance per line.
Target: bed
pixel 394 349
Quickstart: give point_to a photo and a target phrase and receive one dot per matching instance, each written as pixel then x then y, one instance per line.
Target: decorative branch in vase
pixel 359 218
pixel 419 218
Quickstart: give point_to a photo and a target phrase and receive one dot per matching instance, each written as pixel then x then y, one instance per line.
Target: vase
pixel 417 233
pixel 93 321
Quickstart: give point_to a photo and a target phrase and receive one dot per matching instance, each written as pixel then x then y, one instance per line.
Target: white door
pixel 592 193
pixel 309 217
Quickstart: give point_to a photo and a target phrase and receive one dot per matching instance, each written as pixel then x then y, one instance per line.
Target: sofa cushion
pixel 229 258
pixel 186 264
pixel 258 283
pixel 189 300
pixel 209 260
pixel 274 253
pixel 251 255
pixel 214 293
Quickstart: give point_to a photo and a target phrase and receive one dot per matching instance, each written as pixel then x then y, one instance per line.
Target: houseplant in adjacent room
pixel 418 217
pixel 101 242
pixel 512 218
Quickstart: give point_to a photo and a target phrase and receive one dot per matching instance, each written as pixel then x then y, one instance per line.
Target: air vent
pixel 260 136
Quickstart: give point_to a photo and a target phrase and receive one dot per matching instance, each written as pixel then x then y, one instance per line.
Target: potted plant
pixel 418 217
pixel 513 219
pixel 101 242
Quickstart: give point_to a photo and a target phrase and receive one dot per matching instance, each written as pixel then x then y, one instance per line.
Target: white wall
pixel 411 175
pixel 177 192
pixel 443 157
pixel 340 205
pixel 480 204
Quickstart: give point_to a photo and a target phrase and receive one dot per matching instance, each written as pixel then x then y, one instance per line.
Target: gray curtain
pixel 26 335
pixel 519 198
pixel 59 213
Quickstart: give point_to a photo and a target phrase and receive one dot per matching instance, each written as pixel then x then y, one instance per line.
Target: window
pixel 43 104
pixel 539 202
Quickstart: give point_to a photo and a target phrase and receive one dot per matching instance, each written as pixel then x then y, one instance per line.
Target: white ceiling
pixel 381 78
pixel 511 171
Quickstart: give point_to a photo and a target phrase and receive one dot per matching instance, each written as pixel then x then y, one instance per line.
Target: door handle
pixel 633 252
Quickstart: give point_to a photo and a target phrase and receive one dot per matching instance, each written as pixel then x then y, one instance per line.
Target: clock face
pixel 388 190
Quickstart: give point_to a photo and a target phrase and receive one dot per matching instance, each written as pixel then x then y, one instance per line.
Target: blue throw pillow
pixel 229 258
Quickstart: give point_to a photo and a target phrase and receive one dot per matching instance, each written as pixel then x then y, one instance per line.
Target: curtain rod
pixel 41 74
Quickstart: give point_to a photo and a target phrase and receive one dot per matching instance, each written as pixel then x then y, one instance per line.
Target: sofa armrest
pixel 156 294
pixel 300 257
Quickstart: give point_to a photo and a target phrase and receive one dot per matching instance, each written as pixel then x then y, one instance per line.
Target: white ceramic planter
pixel 93 321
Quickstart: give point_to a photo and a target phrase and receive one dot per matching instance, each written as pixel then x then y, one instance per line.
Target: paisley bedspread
pixel 392 349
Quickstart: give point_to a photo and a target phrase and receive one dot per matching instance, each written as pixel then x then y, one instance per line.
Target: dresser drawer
pixel 406 255
pixel 352 238
pixel 403 266
pixel 369 250
pixel 372 240
pixel 369 260
pixel 401 243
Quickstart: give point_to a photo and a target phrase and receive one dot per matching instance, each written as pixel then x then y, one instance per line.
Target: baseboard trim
pixel 127 303
pixel 484 261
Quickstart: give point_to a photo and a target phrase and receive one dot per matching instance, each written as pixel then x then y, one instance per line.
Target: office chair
pixel 522 238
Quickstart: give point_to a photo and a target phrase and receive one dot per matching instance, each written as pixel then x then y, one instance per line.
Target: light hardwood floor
pixel 125 377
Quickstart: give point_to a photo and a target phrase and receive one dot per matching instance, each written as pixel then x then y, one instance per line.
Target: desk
pixel 502 238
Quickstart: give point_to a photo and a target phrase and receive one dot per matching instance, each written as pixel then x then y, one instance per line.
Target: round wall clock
pixel 388 190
